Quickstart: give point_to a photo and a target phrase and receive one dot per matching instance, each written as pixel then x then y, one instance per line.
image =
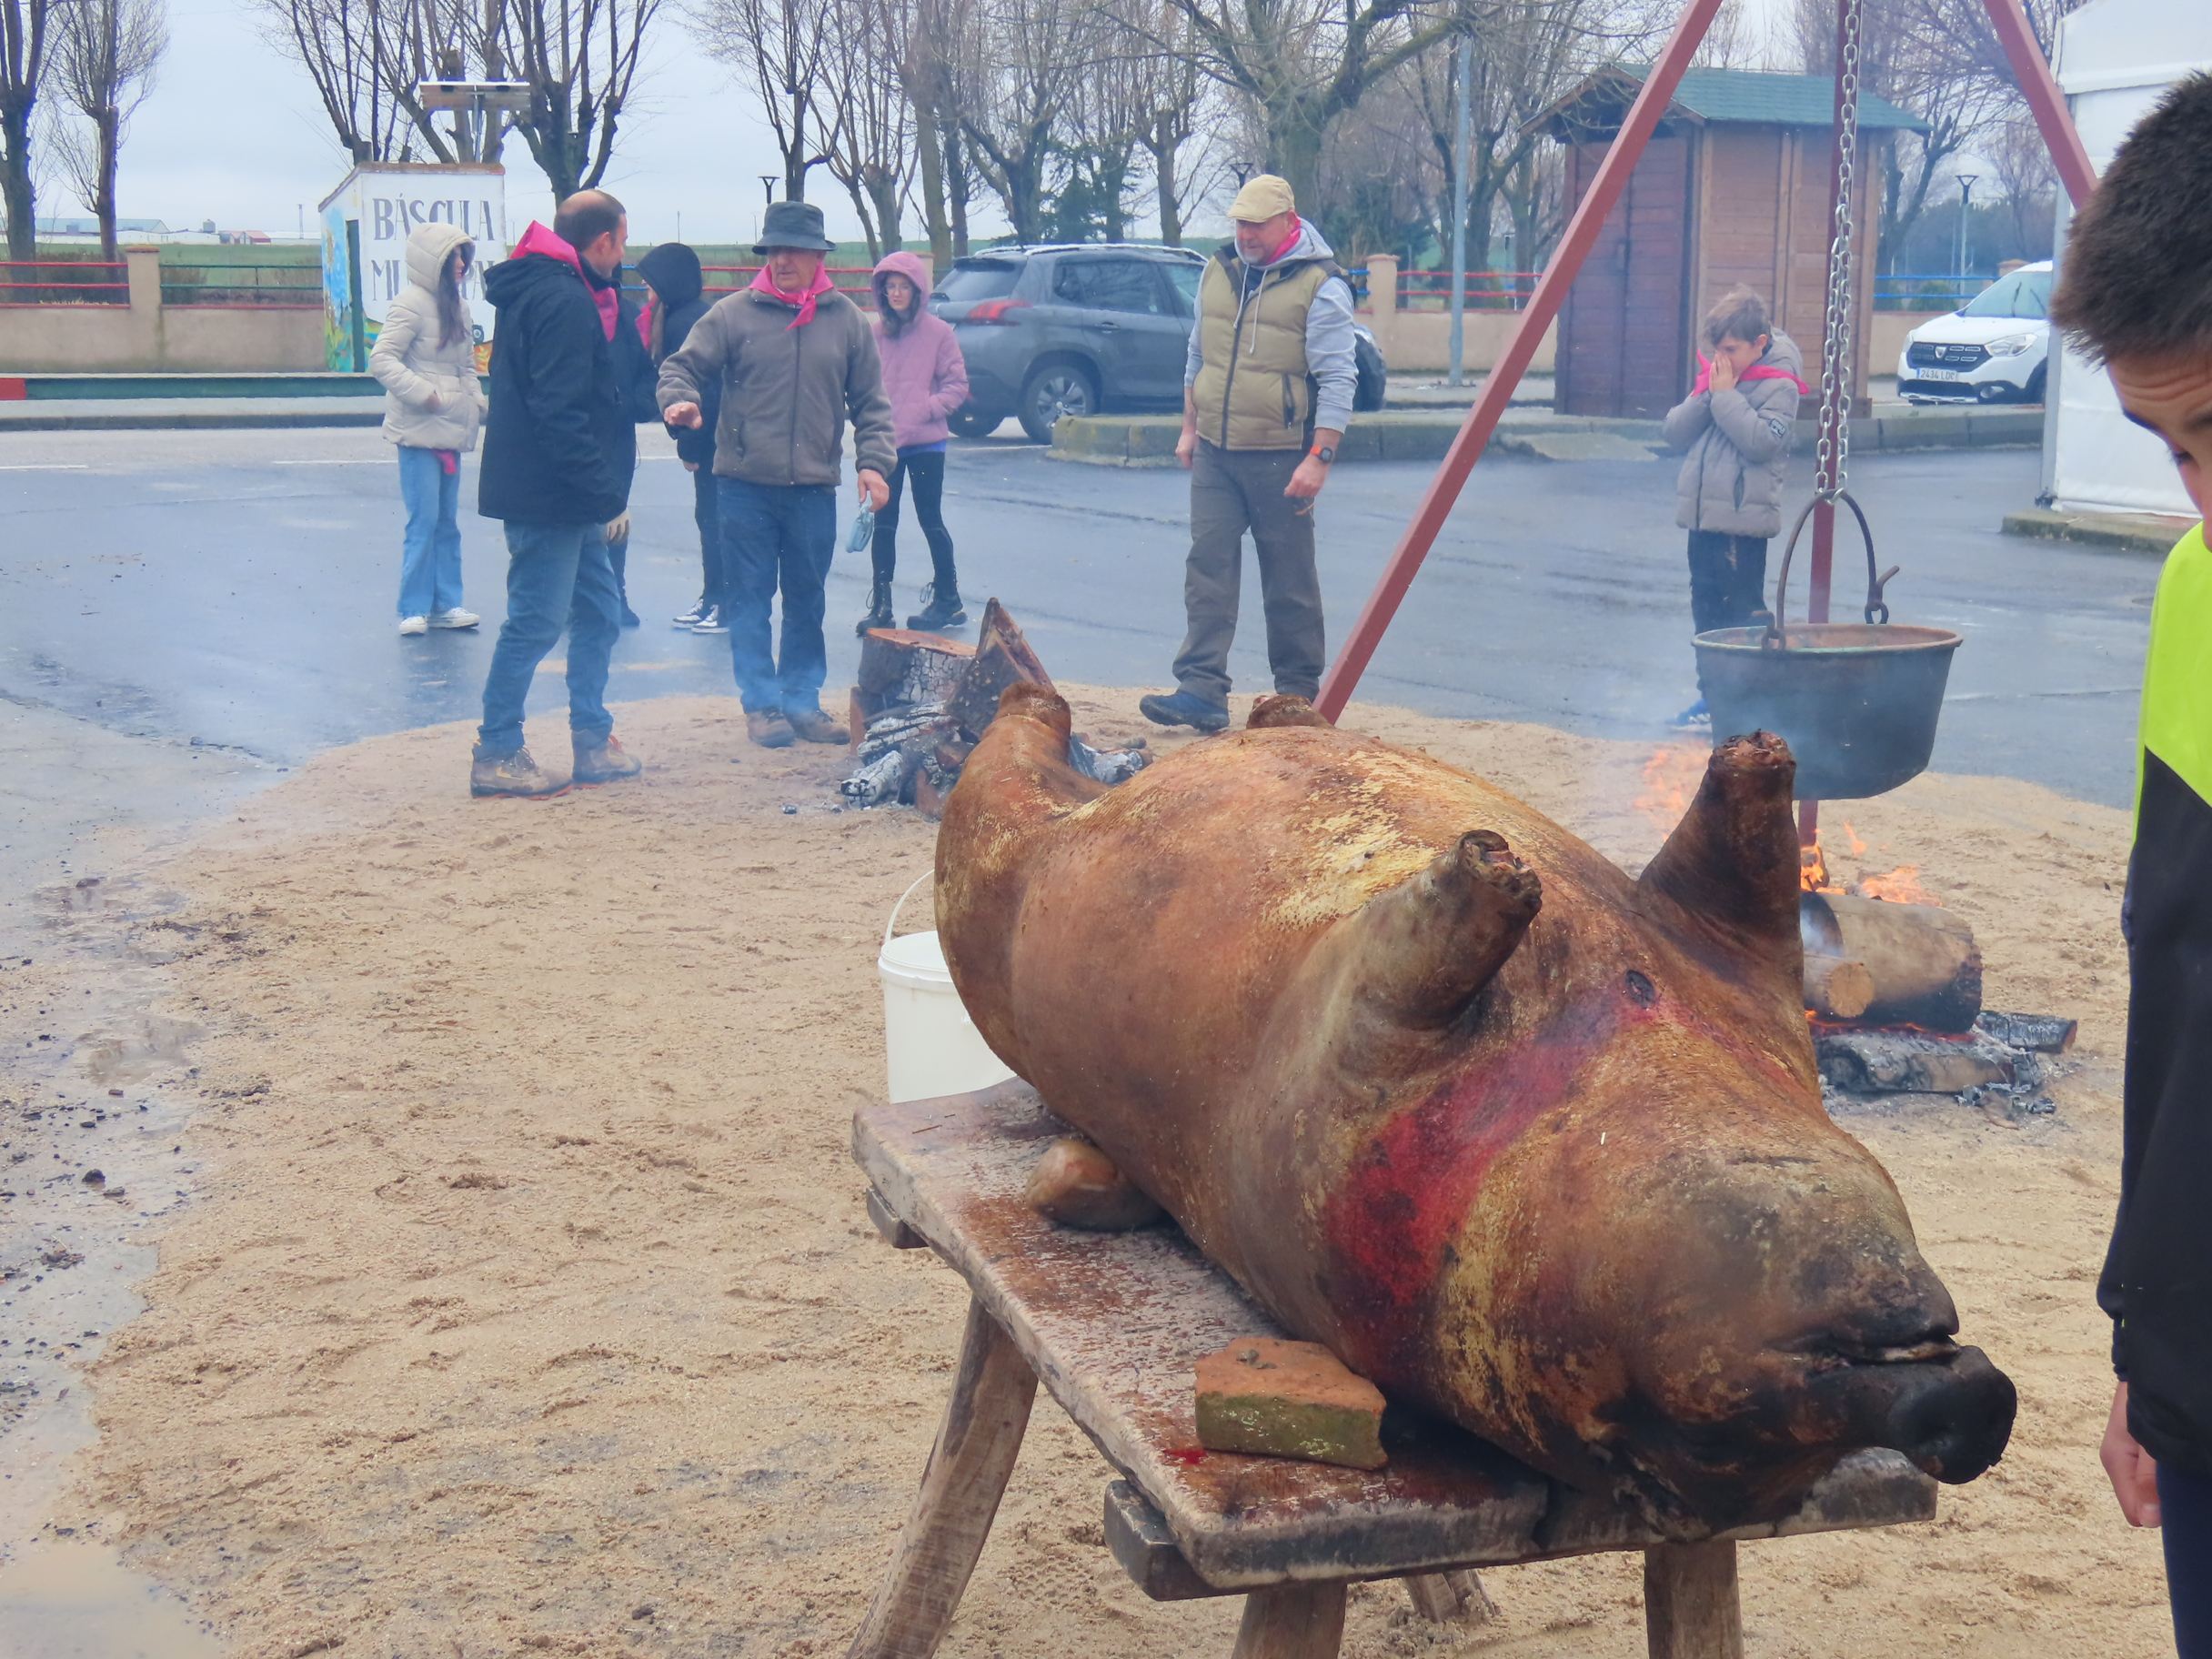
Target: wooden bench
pixel 1113 1325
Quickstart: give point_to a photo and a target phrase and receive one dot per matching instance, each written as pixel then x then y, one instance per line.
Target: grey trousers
pixel 1234 491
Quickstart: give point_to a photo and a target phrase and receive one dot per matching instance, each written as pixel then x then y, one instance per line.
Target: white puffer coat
pixel 432 396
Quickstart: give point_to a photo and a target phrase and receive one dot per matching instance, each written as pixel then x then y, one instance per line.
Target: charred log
pixel 1925 965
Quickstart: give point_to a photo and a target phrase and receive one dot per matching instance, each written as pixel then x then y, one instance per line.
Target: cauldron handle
pixel 1876 609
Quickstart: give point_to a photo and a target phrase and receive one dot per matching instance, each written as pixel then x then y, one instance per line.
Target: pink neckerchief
pixel 1757 371
pixel 765 283
pixel 1298 229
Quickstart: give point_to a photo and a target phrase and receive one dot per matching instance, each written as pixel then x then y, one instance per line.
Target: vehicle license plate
pixel 1938 374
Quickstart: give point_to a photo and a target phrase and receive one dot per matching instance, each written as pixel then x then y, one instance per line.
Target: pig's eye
pixel 1641 991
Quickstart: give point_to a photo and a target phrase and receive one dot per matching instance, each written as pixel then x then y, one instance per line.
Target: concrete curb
pixel 2138 535
pixel 130 420
pixel 1407 435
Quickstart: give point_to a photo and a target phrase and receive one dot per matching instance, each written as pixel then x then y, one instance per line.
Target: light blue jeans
pixel 558 575
pixel 430 559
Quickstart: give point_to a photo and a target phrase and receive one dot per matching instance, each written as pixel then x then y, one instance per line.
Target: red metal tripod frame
pixel 1490 405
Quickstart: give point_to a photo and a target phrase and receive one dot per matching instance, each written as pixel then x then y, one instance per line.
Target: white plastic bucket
pixel 929 1044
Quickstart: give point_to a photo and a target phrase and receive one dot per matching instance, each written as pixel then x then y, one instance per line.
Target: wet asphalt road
pixel 182 610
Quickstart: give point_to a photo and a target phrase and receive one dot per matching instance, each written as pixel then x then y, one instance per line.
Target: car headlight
pixel 2009 345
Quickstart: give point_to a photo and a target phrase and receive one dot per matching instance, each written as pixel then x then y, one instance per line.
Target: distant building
pixel 88 230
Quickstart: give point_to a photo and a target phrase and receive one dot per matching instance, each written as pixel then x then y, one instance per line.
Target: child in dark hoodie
pixel 676 286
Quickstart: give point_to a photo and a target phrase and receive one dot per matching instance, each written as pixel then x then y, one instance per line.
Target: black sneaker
pixel 694 617
pixel 938 611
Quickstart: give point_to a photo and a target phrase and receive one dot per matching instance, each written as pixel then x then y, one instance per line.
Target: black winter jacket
pixel 559 443
pixel 673 268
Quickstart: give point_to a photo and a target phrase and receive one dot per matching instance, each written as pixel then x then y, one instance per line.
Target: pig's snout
pixel 1952 1416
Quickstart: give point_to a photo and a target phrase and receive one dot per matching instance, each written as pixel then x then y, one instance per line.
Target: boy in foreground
pixel 2137 294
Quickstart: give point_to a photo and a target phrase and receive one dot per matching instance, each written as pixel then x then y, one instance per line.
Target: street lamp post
pixel 767 192
pixel 1966 207
pixel 1244 170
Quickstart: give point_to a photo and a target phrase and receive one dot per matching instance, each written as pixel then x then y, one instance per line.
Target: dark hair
pixel 585 218
pixel 452 329
pixel 1739 314
pixel 2138 281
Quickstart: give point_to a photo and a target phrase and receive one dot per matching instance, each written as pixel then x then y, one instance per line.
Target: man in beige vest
pixel 1267 387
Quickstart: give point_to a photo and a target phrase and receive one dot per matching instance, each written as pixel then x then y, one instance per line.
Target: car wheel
pixel 2035 385
pixel 971 422
pixel 1051 391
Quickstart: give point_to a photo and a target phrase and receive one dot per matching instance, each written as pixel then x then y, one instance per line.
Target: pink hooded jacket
pixel 922 371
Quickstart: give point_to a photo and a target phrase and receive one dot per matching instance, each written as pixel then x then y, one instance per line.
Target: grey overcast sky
pixel 234 133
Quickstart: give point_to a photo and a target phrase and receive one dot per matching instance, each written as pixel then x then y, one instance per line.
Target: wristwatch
pixel 1324 453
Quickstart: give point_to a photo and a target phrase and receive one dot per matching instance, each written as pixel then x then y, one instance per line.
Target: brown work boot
pixel 767 727
pixel 605 760
pixel 815 727
pixel 513 773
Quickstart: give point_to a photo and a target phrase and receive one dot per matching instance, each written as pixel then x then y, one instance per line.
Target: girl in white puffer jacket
pixel 425 360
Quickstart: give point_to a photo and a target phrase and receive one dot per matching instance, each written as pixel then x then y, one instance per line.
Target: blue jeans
pixel 431 560
pixel 556 574
pixel 777 536
pixel 2184 1505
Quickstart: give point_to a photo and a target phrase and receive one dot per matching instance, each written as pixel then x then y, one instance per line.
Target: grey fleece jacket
pixel 1739 448
pixel 786 393
pixel 1329 339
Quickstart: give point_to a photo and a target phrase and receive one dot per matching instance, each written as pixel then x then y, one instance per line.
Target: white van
pixel 1991 349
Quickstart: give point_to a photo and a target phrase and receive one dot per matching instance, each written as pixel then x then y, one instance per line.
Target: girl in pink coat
pixel 926 381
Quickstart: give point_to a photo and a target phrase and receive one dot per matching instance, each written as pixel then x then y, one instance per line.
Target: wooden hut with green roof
pixel 1733 187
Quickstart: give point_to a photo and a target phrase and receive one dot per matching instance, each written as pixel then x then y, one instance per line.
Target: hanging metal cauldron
pixel 1856 701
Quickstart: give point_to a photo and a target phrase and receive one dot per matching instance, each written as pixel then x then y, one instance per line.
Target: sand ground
pixel 527 1304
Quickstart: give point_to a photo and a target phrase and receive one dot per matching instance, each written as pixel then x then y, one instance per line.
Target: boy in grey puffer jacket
pixel 1736 425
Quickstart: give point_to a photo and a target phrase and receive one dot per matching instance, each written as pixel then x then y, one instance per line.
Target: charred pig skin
pixel 1535 1146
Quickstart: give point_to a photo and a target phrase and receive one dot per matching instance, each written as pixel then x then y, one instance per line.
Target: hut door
pixel 1624 342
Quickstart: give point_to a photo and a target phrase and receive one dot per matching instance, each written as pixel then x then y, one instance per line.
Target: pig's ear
pixel 1426 948
pixel 1731 865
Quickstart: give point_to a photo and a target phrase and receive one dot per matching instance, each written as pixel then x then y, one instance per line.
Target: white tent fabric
pixel 2115 58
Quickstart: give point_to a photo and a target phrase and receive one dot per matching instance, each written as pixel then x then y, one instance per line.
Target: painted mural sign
pixel 388 202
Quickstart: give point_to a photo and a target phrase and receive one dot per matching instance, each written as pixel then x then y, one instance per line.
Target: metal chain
pixel 1836 357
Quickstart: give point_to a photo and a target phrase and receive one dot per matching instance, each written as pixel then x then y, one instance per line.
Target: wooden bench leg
pixel 1296 1622
pixel 1451 1598
pixel 960 1488
pixel 1690 1609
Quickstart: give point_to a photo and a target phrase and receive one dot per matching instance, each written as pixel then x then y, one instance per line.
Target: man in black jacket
pixel 556 467
pixel 2137 296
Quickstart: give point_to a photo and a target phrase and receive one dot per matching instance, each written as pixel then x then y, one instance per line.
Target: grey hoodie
pixel 1739 448
pixel 1330 341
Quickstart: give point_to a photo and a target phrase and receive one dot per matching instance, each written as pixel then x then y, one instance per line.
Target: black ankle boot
pixel 878 609
pixel 942 608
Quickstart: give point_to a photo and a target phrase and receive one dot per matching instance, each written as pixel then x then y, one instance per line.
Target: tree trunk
pixel 868 221
pixel 956 180
pixel 932 158
pixel 884 193
pixel 109 122
pixel 1293 146
pixel 1161 142
pixel 795 158
pixel 16 189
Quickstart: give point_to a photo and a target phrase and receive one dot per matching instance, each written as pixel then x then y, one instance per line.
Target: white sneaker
pixel 694 617
pixel 414 625
pixel 711 623
pixel 456 617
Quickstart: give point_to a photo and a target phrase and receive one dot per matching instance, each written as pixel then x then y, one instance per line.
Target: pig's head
pixel 1624 1240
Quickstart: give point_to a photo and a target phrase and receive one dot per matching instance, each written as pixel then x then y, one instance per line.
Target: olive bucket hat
pixel 793 224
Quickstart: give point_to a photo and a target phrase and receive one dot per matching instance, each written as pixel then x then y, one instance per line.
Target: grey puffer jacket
pixel 787 392
pixel 1739 447
pixel 432 396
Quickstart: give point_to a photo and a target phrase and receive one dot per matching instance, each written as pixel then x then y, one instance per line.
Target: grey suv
pixel 1070 329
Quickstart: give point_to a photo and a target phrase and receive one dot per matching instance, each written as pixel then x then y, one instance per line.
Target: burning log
pixel 922 701
pixel 1921 1063
pixel 1926 968
pixel 1837 988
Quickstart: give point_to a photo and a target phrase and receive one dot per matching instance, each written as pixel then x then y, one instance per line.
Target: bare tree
pixel 780 50
pixel 105 58
pixel 2027 183
pixel 862 106
pixel 581 59
pixel 1017 74
pixel 344 46
pixel 24 44
pixel 1307 62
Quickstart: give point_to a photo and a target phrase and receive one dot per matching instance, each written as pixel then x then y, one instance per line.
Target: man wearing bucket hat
pixel 794 359
pixel 1268 389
